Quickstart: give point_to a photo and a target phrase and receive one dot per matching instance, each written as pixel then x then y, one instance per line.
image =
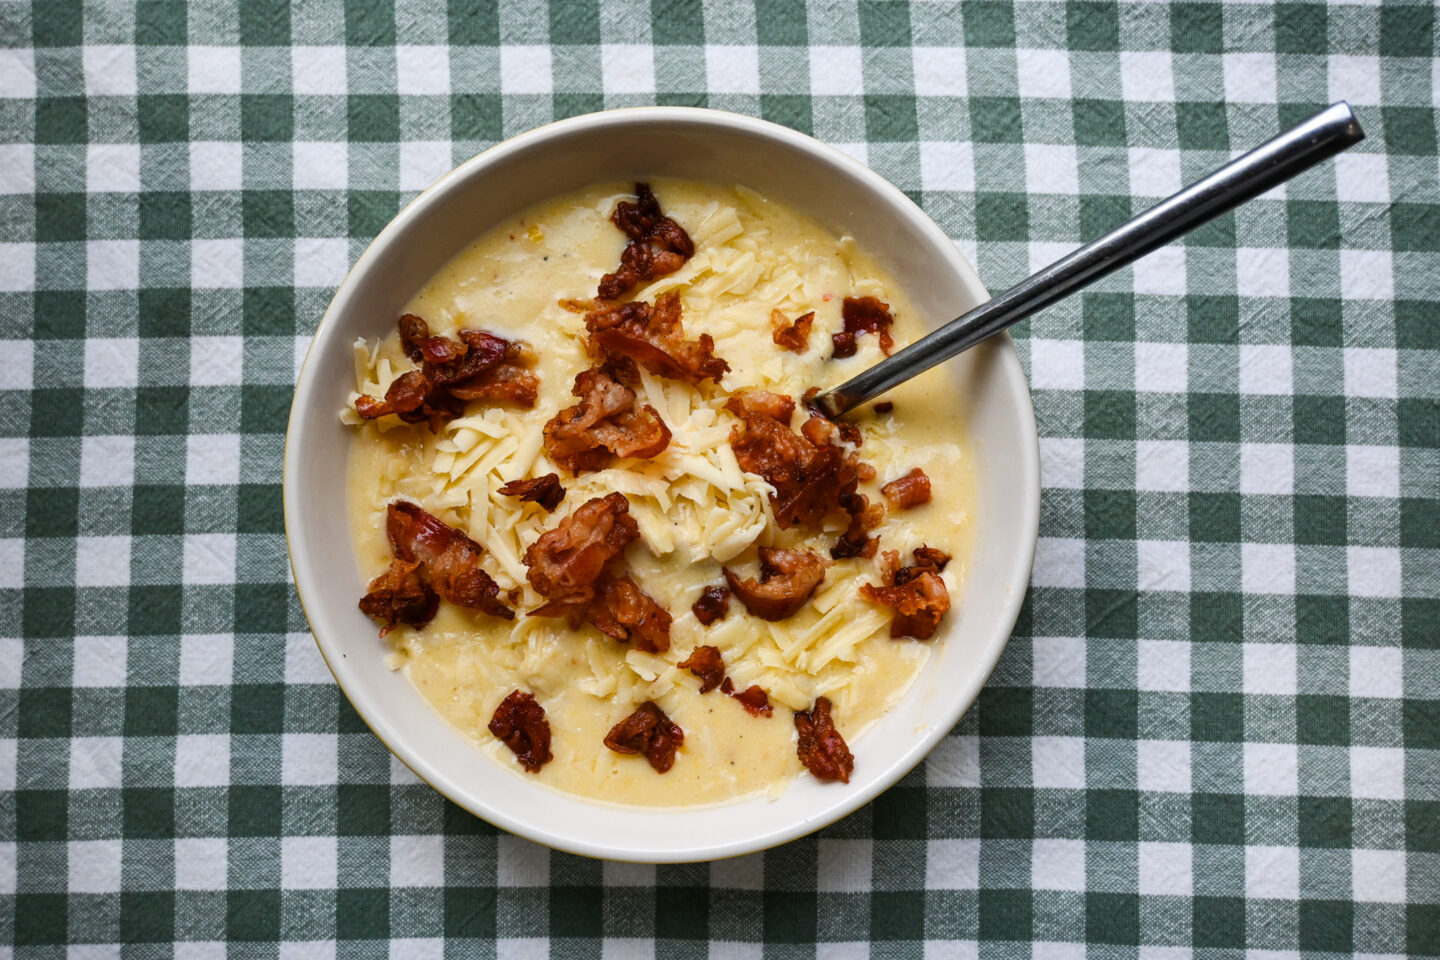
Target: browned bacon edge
pixel 916 593
pixel 787 579
pixel 649 731
pixel 862 315
pixel 707 664
pixel 820 746
pixel 658 245
pixel 519 722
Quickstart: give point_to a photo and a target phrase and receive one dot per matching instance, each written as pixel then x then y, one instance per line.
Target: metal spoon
pixel 1319 138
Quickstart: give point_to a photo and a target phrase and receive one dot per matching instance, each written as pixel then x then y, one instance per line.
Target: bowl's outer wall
pixel 622 145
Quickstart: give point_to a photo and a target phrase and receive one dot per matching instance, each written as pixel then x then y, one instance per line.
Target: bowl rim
pixel 1027 466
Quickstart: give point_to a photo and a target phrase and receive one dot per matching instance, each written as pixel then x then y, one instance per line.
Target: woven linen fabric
pixel 1217 725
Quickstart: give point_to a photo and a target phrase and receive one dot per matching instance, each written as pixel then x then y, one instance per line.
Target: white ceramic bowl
pixel 840 193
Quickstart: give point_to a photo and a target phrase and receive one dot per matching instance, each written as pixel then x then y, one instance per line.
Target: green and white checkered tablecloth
pixel 1217 727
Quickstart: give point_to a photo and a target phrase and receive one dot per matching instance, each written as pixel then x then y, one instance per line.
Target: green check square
pixel 1327 925
pixel 988 24
pixel 1219 921
pixel 890 118
pixel 41 815
pixel 1108 316
pixel 40 918
pixel 368 24
pixel 1322 719
pixel 362 913
pixel 1112 918
pixel 574 21
pixel 1322 619
pixel 269 117
pixel 265 23
pixel 1001 216
pixel 996 120
pixel 1007 813
pixel 374 118
pixel 884 24
pixel 52 512
pixel 255 811
pixel 1312 224
pixel 258 708
pixel 61 120
pixel 1112 815
pixel 148 812
pixel 1326 822
pixel 781 23
pixel 683 24
pixel 151 711
pixel 1407 30
pixel 165 215
pixel 789 110
pixel 161 23
pixel 1319 419
pixel 1215 517
pixel 1099 123
pixel 58 23
pixel 1301 28
pixel 162 411
pixel 1202 125
pixel 59 314
pixel 1092 26
pixel 682 913
pixel 147 916
pixel 1409 131
pixel 45 712
pixel 1006 914
pixel 1415 227
pixel 269 311
pixel 900 814
pixel 59 217
pixel 1217 717
pixel 163 118
pixel 48 612
pixel 364 810
pixel 1316 322
pixel 1111 613
pixel 1112 714
pixel 896 915
pixel 788 916
pixel 1006 711
pixel 164 312
pixel 1422 724
pixel 1320 520
pixel 1420 622
pixel 252 915
pixel 1422 929
pixel 469 912
pixel 1197 28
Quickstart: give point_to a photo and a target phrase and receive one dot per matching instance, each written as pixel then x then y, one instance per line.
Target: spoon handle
pixel 1319 138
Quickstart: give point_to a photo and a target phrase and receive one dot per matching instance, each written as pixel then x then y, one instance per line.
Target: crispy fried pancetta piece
pixel 605 424
pixel 400 595
pixel 658 245
pixel 754 699
pixel 451 559
pixel 787 579
pixel 654 337
pixel 649 731
pixel 916 593
pixel 793 336
pixel 707 664
pixel 520 724
pixel 863 315
pixel 908 491
pixel 565 563
pixel 545 490
pixel 820 746
pixel 713 604
pixel 856 540
pixel 622 611
pixel 475 366
pixel 811 475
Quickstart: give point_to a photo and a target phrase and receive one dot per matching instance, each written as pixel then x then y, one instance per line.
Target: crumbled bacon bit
pixel 908 491
pixel 787 579
pixel 451 559
pixel 545 491
pixel 864 517
pixel 566 561
pixel 400 595
pixel 520 724
pixel 820 746
pixel 605 424
pixel 658 245
pixel 648 730
pixel 810 474
pixel 624 612
pixel 707 664
pixel 755 700
pixel 916 593
pixel 713 604
pixel 654 337
pixel 477 366
pixel 793 336
pixel 884 406
pixel 864 472
pixel 863 315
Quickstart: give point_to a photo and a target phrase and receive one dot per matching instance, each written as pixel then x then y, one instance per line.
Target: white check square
pixel 112 264
pixel 627 67
pixel 112 168
pixel 1161 272
pixel 1162 367
pixel 309 759
pixel 1262 272
pixel 1163 665
pixel 423 162
pixel 1163 564
pixel 1372 471
pixel 952 864
pixel 109 70
pixel 321 261
pixel 1249 77
pixel 525 69
pixel 1154 172
pixel 102 561
pixel 1058 563
pixel 1267 468
pixel 1146 76
pixel 939 71
pixel 1162 465
pixel 947 166
pixel 1272 873
pixel 17 267
pixel 1373 571
pixel 95 763
pixel 1362 178
pixel 1058 662
pixel 212 459
pixel 12 575
pixel 845 866
pixel 1058 762
pixel 955 762
pixel 202 760
pixel 320 165
pixel 1163 766
pixel 1377 672
pixel 217 264
pixel 1267 568
pixel 17 164
pixel 215 165
pixel 422 70
pixel 214 69
pixel 1269 668
pixel 732 68
pixel 1367 275
pixel 1271 769
pixel 1166 869
pixel 1377 773
pixel 417 861
pixel 1051 168
pixel 202 863
pixel 1378 876
pixel 1371 372
pixel 308 863
pixel 99 661
pixel 318 71
pixel 1062 462
pixel 1043 73
pixel 1057 865
pixel 1057 364
pixel 1355 78
pixel 835 71
pixel 94 866
pixel 17 73
pixel 206 659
